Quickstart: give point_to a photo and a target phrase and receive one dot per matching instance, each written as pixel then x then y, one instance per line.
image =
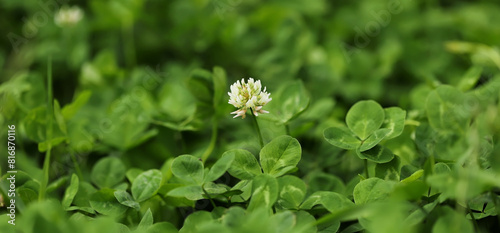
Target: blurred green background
pixel 132 63
pixel 137 77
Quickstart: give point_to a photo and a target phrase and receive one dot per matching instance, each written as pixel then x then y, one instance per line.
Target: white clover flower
pixel 68 16
pixel 248 95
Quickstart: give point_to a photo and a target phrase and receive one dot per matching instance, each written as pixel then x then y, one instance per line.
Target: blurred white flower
pixel 248 95
pixel 68 16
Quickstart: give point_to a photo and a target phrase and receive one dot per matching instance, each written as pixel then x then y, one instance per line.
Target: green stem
pixel 77 167
pixel 209 198
pixel 48 139
pixel 366 169
pixel 473 218
pixel 213 140
pixel 287 127
pixel 258 129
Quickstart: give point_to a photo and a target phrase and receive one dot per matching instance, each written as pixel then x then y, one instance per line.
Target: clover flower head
pixel 68 16
pixel 248 95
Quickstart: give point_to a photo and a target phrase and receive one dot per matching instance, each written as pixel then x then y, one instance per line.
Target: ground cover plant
pixel 250 116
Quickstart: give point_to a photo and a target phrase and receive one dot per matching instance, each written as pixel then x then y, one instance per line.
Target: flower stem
pixel 213 140
pixel 258 129
pixel 77 167
pixel 48 132
pixel 209 198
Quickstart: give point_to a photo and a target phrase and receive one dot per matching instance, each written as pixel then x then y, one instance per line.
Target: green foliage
pixel 384 118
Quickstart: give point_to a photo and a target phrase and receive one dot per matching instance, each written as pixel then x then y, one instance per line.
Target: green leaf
pixel 330 200
pixel 395 121
pixel 162 227
pixel 371 190
pixel 470 78
pixel 364 118
pixel 220 167
pixel 146 185
pixel 279 155
pixel 389 170
pixel 415 176
pixel 104 202
pixel 445 110
pixel 220 85
pixel 264 192
pixel 188 168
pixel 71 191
pixel 108 172
pixel 245 166
pixel 126 199
pixel 195 220
pixel 70 110
pixel 146 221
pixel 176 102
pixel 133 173
pixel 451 221
pixel 246 187
pixel 377 154
pixel 292 191
pixel 341 137
pixel 191 192
pixel 85 190
pixel 59 117
pixel 43 146
pixel 292 100
pixel 373 139
pixel 216 189
pixel 305 222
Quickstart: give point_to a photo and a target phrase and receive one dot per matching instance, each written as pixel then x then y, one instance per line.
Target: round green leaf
pixel 192 192
pixel 330 200
pixel 126 199
pixel 341 137
pixel 108 172
pixel 292 191
pixel 176 102
pixel 245 166
pixel 104 202
pixel 146 185
pixel 188 168
pixel 377 154
pixel 293 100
pixel 394 121
pixel 264 192
pixel 364 118
pixel 280 155
pixel 220 167
pixel 374 139
pixel 389 170
pixel 372 189
pixel 445 110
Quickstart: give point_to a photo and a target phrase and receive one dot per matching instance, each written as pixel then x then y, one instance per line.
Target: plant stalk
pixel 48 139
pixel 77 167
pixel 209 197
pixel 258 129
pixel 213 140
